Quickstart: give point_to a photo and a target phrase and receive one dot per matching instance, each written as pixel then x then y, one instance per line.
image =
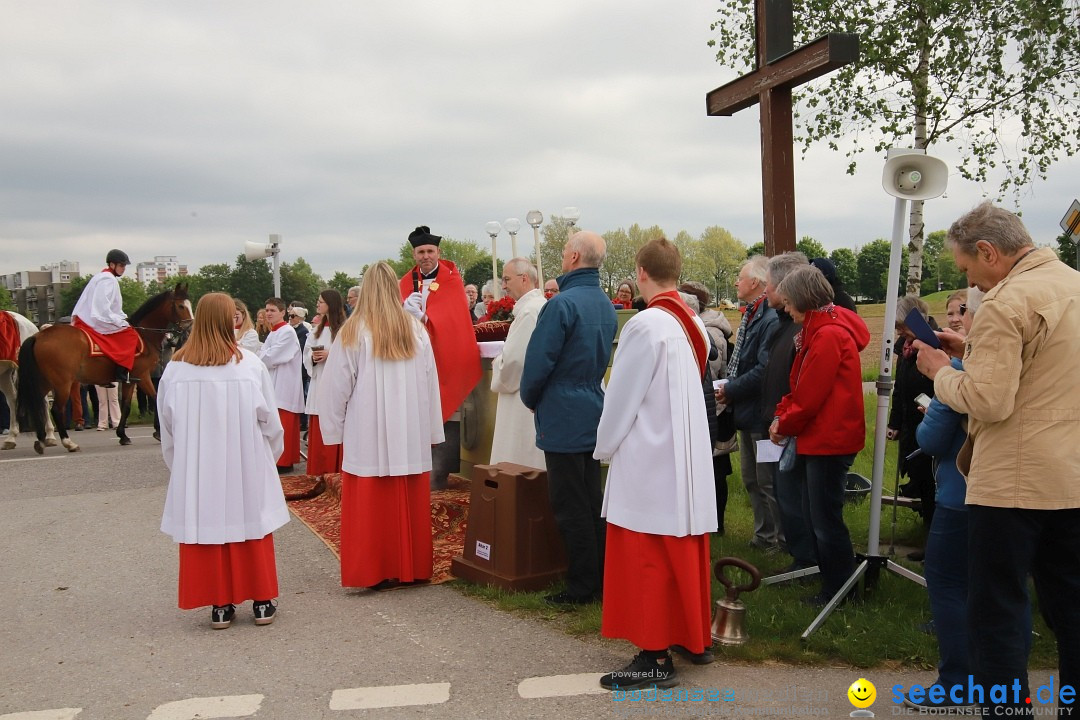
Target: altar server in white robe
pixel 379 398
pixel 283 358
pixel 515 432
pixel 220 434
pixel 659 500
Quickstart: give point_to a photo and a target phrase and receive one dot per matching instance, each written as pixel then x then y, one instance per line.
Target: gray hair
pixel 995 225
pixel 908 303
pixel 780 265
pixel 354 290
pixel 759 267
pixel 523 266
pixel 489 288
pixel 691 301
pixel 591 246
pixel 806 288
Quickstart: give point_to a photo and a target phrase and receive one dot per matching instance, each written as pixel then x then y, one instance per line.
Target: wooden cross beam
pixel 779 69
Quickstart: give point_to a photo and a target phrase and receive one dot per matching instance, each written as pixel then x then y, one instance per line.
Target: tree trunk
pixel 915 225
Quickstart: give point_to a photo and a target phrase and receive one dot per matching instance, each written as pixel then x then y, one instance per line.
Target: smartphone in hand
pixel 917 324
pixel 922 400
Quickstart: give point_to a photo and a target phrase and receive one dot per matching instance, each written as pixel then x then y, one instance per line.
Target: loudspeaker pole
pixel 908 175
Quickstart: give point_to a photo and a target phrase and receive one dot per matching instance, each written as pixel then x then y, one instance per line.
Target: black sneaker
pixel 221 616
pixel 264 611
pixel 701 658
pixel 643 671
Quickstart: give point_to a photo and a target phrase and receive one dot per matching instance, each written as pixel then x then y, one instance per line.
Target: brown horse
pixel 57 356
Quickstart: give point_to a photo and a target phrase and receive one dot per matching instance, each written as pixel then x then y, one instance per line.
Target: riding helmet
pixel 117 256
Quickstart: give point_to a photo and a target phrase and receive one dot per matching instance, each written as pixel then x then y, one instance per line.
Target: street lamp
pixel 493 229
pixel 258 251
pixel 572 215
pixel 534 218
pixel 512 225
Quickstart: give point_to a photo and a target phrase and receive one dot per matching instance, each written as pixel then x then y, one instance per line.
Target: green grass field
pixel 879 631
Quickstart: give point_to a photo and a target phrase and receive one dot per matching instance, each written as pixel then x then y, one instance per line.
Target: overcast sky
pixel 187 128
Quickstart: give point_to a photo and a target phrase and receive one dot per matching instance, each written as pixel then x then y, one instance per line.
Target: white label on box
pixel 483 550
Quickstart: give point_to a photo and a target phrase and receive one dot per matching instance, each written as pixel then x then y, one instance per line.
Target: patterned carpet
pixel 316 502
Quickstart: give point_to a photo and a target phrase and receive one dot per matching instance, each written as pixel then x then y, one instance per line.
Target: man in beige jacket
pixel 1020 388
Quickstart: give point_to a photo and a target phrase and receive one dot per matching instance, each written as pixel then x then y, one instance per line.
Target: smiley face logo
pixel 862 693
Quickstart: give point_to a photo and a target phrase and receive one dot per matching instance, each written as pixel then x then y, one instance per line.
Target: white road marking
pixel 390 696
pixel 227 706
pixel 36 458
pixel 58 714
pixel 562 686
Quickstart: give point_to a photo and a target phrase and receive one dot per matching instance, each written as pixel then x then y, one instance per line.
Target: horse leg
pixel 7 386
pixel 125 410
pixel 147 386
pixel 51 424
pixel 60 399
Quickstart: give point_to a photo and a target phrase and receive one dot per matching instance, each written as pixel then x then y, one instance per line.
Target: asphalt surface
pixel 91 628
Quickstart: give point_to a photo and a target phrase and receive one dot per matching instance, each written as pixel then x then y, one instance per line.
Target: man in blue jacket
pixel 564 366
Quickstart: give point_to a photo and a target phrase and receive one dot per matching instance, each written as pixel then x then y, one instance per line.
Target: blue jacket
pixel 744 391
pixel 565 363
pixel 942 434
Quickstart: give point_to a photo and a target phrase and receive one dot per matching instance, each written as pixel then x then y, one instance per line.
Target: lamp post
pixel 512 225
pixel 572 215
pixel 493 229
pixel 534 218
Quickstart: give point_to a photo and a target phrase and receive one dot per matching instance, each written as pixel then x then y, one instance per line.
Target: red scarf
pixel 278 325
pixel 672 303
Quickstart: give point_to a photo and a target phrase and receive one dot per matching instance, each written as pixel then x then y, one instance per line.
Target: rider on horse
pixel 100 313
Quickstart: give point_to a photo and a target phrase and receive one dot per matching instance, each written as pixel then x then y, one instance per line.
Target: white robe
pixel 386 414
pixel 100 305
pixel 315 370
pixel 654 432
pixel 250 341
pixel 281 354
pixel 515 432
pixel 220 437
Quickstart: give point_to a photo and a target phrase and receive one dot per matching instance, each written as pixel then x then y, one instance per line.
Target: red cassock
pixel 9 338
pixel 453 340
pixel 322 458
pixel 656 590
pixel 385 529
pixel 290 422
pixel 229 573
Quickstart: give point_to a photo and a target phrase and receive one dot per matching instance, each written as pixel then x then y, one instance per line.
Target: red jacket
pixel 824 409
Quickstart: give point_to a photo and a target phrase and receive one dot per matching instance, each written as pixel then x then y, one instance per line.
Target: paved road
pixel 91 629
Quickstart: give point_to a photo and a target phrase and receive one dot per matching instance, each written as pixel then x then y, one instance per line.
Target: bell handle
pixel 732 589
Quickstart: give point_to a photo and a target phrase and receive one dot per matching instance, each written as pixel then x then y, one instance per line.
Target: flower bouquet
pixel 495 324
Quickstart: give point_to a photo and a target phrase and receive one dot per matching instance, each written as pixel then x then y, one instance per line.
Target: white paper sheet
pixel 768 451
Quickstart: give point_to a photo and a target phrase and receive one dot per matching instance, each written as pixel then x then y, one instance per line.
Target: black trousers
pixel 576 498
pixel 1005 545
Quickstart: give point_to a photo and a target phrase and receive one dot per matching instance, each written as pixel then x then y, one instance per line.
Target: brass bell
pixel 729 617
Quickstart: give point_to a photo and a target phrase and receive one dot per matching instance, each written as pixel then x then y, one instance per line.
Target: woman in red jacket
pixel 823 414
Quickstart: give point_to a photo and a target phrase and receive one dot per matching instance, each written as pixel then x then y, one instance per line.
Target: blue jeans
pixel 947 583
pixel 789 487
pixel 1004 546
pixel 823 503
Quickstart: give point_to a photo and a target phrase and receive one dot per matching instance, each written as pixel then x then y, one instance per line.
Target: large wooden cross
pixel 779 69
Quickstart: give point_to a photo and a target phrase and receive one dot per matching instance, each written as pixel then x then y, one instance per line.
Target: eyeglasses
pixel 963 309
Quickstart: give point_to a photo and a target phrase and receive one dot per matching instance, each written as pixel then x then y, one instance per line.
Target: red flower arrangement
pixel 499 310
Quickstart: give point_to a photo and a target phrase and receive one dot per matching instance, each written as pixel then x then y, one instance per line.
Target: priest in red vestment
pixel 433 293
pixel 659 500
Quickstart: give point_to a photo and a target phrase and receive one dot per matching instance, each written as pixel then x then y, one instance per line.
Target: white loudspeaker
pixel 914 175
pixel 256 251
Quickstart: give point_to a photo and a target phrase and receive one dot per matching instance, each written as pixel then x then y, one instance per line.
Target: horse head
pixel 183 315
